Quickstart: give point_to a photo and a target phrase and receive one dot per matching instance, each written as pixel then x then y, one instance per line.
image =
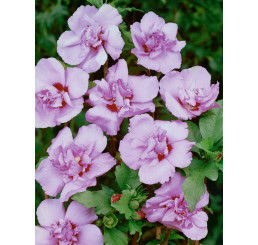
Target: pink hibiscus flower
pixel 72 227
pixel 156 148
pixel 58 92
pixel 120 96
pixel 156 45
pixel 189 93
pixel 170 208
pixel 92 30
pixel 74 164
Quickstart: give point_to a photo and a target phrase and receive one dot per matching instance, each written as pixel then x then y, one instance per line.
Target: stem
pixel 113 145
pixel 148 72
pixel 158 232
pixel 135 238
pixel 167 237
pixel 46 196
pixel 195 242
pixel 105 68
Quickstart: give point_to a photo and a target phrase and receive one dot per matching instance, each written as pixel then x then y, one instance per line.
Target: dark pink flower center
pixel 65 232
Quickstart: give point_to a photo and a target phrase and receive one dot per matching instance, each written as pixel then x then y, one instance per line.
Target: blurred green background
pixel 200 23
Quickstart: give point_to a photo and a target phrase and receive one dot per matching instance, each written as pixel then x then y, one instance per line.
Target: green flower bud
pixel 98 223
pixel 134 193
pixel 134 204
pixel 110 220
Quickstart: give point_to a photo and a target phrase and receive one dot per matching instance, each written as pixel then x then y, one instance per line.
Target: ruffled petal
pixel 91 137
pixel 43 237
pixel 151 22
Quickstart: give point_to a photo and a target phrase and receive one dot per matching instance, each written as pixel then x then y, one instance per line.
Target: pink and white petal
pixel 169 216
pixel 204 200
pixel 146 61
pixel 50 211
pixel 169 61
pixel 107 120
pixel 80 215
pixel 45 117
pixel 176 130
pixel 144 88
pixel 91 137
pixel 43 237
pixel 156 172
pixel 68 112
pixel 118 71
pixel 142 126
pixel 180 155
pixel 126 148
pixel 170 29
pixel 195 233
pixel 89 235
pixel 139 108
pixel 197 77
pixel 49 178
pixel 48 72
pixel 114 42
pixel 108 16
pixel 156 215
pixel 151 22
pixel 136 34
pixel 176 109
pixel 78 20
pixel 173 187
pixel 69 48
pixel 64 138
pixel 72 188
pixel 94 60
pixel 101 164
pixel 200 219
pixel 178 46
pixel 77 81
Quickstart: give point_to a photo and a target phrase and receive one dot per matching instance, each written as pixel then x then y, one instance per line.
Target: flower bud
pixel 134 204
pixel 110 220
pixel 134 193
pixel 141 214
pixel 98 223
pixel 116 197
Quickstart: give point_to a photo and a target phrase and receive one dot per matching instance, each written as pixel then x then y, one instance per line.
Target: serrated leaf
pixel 114 237
pixel 212 126
pixel 96 3
pixel 126 176
pixel 122 206
pixel 193 185
pixel 98 199
pixel 206 144
pixel 40 160
pixel 194 135
pixel 135 226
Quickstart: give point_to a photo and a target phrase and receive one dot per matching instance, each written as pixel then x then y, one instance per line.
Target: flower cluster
pixel 155 148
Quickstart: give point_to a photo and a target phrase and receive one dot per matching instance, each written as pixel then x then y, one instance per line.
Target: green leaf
pixel 154 242
pixel 126 9
pixel 193 185
pixel 175 236
pixel 134 226
pixel 126 176
pixel 122 206
pixel 206 144
pixel 209 209
pixel 194 135
pixel 212 126
pixel 40 160
pixel 96 3
pixel 114 237
pixel 98 199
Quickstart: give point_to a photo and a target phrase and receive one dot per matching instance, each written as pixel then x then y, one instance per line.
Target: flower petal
pixel 50 211
pixel 49 178
pixel 89 235
pixel 79 214
pixel 43 237
pixel 77 81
